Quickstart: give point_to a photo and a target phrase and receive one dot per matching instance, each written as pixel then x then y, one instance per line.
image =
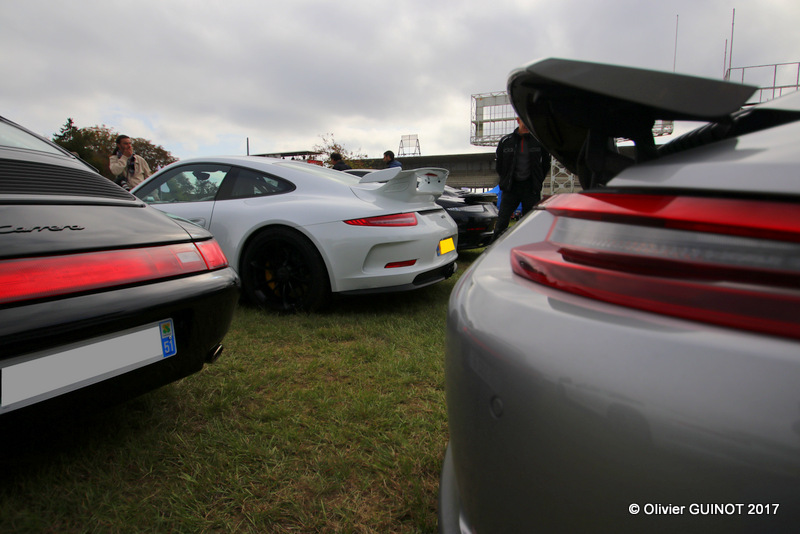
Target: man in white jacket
pixel 130 167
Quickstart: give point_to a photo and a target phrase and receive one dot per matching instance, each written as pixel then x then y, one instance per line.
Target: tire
pixel 282 271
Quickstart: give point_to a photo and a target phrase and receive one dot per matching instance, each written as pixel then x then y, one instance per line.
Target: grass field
pixel 329 422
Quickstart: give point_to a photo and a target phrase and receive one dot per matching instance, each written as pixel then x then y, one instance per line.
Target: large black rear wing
pixel 578 109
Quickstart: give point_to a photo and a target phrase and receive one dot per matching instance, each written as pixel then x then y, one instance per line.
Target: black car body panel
pixel 474 213
pixel 54 208
pixel 48 228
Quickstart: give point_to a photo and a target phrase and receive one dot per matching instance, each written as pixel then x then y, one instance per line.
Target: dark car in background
pixel 474 213
pixel 102 298
pixel 627 358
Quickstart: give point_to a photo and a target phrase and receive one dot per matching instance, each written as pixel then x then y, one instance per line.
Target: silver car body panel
pixel 760 162
pixel 642 400
pixel 568 414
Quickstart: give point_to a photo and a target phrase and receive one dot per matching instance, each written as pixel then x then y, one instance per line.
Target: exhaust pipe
pixel 214 354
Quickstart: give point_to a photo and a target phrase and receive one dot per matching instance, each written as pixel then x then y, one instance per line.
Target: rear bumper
pixel 421 280
pixel 450 520
pixel 385 259
pixel 475 231
pixel 200 308
pixel 470 240
pixel 564 412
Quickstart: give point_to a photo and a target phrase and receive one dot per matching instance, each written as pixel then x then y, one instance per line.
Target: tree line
pixel 96 143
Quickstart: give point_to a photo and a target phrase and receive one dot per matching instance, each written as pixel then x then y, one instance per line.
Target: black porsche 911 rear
pixel 101 297
pixel 474 213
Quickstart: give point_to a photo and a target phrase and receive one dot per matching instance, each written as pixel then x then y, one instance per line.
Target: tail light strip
pixel 732 263
pixel 35 278
pixel 398 219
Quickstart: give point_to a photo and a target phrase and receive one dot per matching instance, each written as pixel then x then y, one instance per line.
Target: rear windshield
pixel 13 137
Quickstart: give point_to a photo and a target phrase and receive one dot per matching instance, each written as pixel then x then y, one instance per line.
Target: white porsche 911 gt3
pixel 297 232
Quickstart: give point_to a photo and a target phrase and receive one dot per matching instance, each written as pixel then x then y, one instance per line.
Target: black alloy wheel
pixel 282 271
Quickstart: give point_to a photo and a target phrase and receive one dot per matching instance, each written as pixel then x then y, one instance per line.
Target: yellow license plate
pixel 446 245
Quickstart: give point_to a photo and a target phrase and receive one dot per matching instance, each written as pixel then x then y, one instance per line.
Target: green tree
pixel 67 137
pixel 96 143
pixel 329 146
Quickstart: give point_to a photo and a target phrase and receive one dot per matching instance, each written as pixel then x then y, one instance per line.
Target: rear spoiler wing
pixel 413 185
pixel 577 109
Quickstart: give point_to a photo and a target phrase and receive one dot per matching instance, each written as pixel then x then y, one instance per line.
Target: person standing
pixel 522 165
pixel 338 164
pixel 388 159
pixel 131 169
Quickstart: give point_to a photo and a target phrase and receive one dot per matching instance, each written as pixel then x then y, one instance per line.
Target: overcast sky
pixel 201 77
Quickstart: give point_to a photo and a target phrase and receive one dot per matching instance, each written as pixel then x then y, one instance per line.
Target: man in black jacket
pixel 522 163
pixel 338 163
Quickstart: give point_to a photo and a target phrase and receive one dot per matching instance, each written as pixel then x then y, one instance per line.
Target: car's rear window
pixel 14 137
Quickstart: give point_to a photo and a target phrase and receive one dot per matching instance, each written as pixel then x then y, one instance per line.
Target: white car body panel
pixel 354 256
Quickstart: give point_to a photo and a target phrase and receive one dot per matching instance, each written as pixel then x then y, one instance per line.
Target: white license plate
pixel 33 378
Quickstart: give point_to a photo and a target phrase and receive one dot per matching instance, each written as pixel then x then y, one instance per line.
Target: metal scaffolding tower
pixel 492 118
pixel 409 146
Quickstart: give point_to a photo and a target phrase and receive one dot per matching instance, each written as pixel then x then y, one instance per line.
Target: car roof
pixel 265 164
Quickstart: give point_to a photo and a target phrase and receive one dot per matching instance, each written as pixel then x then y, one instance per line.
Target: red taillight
pixel 212 254
pixel 34 278
pixel 398 264
pixel 398 219
pixel 734 263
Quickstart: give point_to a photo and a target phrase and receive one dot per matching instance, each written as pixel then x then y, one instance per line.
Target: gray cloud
pixel 202 78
